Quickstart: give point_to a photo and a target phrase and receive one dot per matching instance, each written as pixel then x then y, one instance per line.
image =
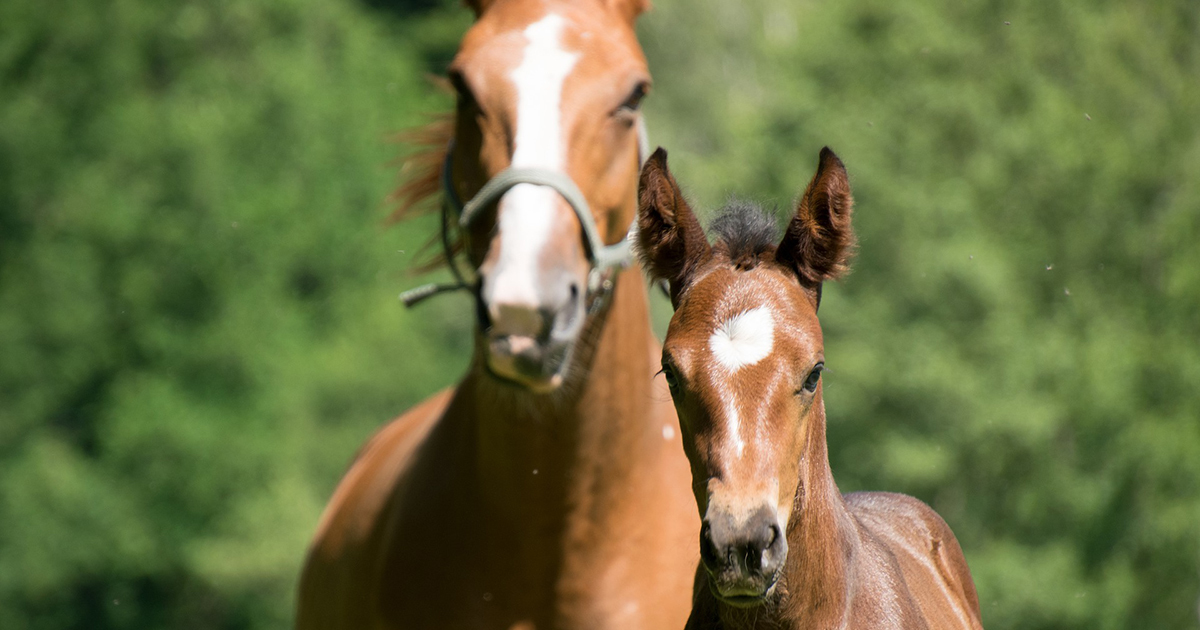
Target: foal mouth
pixel 743 597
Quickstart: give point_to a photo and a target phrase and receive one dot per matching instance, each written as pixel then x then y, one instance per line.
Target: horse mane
pixel 421 185
pixel 745 232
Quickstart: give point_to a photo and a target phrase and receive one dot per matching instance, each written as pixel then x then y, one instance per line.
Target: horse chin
pixel 745 595
pixel 524 362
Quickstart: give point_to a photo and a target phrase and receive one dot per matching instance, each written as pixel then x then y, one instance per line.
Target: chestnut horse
pixel 780 546
pixel 548 489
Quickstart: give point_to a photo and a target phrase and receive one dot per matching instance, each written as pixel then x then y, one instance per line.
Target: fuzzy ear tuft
pixel 670 241
pixel 819 241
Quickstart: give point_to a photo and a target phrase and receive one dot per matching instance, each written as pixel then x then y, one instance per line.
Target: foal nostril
pixel 761 552
pixel 708 550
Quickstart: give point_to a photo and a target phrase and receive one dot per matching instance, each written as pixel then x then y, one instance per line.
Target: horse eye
pixel 465 96
pixel 634 101
pixel 814 377
pixel 672 378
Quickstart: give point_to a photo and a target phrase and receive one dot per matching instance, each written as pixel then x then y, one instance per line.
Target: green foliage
pixel 198 307
pixel 198 324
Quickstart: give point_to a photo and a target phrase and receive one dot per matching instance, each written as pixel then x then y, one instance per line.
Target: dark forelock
pixel 745 231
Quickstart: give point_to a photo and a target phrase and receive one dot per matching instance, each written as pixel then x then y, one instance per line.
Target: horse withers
pixel 548 489
pixel 780 546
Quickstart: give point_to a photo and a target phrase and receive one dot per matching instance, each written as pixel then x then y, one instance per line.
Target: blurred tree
pixel 198 319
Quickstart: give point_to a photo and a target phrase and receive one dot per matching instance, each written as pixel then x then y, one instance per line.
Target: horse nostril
pixel 708 549
pixel 566 316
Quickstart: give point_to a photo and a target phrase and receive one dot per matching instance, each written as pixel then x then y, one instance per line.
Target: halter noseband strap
pixel 605 260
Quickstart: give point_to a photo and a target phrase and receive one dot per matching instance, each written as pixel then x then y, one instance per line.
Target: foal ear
pixel 818 242
pixel 670 241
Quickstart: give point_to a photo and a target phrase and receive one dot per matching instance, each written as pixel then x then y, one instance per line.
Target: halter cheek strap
pixel 606 260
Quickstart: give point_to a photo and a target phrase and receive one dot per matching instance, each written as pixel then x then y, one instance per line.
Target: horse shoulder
pixel 341 560
pixel 931 562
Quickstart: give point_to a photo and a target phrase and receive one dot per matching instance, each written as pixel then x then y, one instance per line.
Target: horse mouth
pixel 743 595
pixel 534 364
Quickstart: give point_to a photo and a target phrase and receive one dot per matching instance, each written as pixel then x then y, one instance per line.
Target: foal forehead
pixel 740 317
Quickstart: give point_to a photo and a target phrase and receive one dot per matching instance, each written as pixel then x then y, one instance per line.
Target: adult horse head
pixel 545 158
pixel 744 355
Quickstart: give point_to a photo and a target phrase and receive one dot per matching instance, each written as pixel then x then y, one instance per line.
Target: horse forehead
pixel 498 39
pixel 739 318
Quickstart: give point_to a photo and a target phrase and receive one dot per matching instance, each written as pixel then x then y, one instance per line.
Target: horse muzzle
pixel 530 335
pixel 743 558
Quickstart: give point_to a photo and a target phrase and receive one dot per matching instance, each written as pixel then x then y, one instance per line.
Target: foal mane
pixel 421 185
pixel 746 233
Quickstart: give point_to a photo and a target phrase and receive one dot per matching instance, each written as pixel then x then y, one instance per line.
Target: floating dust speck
pixel 971 257
pixel 487 597
pixel 535 471
pixel 1066 291
pixel 1086 116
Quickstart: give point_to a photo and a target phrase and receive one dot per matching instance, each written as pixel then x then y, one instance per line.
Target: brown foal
pixel 548 489
pixel 780 546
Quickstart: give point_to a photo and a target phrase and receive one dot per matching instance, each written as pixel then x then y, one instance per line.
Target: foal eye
pixel 672 379
pixel 634 100
pixel 814 377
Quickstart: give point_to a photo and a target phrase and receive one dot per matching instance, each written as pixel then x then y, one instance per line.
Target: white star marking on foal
pixel 744 339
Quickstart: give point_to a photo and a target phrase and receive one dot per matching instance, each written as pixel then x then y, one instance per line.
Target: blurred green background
pixel 198 315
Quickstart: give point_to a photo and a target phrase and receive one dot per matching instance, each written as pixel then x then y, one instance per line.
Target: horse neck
pixel 822 539
pixel 539 456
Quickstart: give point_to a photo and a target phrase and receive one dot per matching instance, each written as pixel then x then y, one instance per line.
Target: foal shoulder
pixel 927 552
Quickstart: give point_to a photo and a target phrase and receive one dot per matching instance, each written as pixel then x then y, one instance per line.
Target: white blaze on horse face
pixel 740 341
pixel 527 210
pixel 744 339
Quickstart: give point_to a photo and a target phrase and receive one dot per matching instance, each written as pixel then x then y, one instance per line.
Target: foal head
pixel 552 85
pixel 743 358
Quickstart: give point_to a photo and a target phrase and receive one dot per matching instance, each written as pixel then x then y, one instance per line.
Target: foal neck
pixel 821 539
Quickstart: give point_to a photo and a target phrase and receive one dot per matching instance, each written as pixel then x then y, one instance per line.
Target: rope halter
pixel 606 260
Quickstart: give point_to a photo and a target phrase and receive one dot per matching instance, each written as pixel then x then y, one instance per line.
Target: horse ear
pixel 670 241
pixel 819 242
pixel 478 6
pixel 629 9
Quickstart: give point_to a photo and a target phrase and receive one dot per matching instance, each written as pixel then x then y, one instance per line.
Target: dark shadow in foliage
pixel 434 50
pixel 14 228
pixel 406 8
